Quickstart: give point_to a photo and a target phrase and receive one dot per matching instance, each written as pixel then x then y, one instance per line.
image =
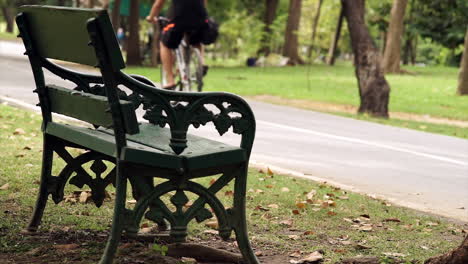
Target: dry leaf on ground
pixel 19 131
pixel 5 186
pixel 66 246
pixel 313 258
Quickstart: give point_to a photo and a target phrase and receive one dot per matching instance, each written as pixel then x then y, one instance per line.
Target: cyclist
pixel 185 17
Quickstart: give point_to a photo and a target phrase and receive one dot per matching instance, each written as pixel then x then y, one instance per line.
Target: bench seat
pixel 151 147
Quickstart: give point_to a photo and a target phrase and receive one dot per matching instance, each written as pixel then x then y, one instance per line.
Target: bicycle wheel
pixel 195 70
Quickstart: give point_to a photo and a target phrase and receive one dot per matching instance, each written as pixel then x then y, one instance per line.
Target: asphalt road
pixel 420 170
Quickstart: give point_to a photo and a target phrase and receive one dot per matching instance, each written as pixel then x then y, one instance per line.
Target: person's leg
pixel 167 58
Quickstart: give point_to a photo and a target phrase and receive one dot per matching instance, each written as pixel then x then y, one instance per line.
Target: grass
pixel 281 219
pixel 430 91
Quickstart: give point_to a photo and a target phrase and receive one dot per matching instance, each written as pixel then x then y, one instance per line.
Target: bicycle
pixel 188 66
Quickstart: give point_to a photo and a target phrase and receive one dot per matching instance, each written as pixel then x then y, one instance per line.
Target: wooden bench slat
pixel 89 107
pixel 151 148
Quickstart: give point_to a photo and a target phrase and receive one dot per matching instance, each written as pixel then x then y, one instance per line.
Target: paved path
pixel 421 170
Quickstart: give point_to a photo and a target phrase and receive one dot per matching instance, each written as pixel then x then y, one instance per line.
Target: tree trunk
pixel 373 88
pixel 77 3
pixel 336 38
pixel 463 75
pixel 133 47
pixel 456 256
pixel 8 15
pixel 290 48
pixel 314 28
pixel 391 59
pixel 155 59
pixel 115 15
pixel 91 3
pixel 270 14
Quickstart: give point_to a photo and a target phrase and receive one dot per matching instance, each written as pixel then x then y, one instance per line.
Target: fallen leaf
pixel 212 181
pixel 131 201
pixel 345 243
pixel 295 212
pixel 293 237
pixel 343 197
pixel 258 191
pixel 270 172
pixel 308 233
pixel 212 224
pixel 261 208
pixel 5 186
pixel 274 206
pixel 211 232
pixel 19 131
pixel 27 148
pixel 391 254
pixel 261 179
pixel 331 203
pixel 301 205
pixel 85 197
pixel 365 216
pixel 285 189
pixel 269 186
pixel 348 220
pixel 296 254
pixel 312 258
pixel 20 155
pixel 331 213
pixel 66 246
pixel 229 193
pixel 287 223
pixel 365 228
pixel 424 247
pixel 432 224
pixel 310 195
pixel 257 253
pixel 361 246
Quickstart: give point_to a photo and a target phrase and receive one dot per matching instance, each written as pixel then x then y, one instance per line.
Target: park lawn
pixel 428 91
pixel 282 218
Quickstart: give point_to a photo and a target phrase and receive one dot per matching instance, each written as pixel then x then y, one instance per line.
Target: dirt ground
pixel 85 246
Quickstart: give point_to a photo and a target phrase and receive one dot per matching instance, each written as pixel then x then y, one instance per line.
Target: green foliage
pixel 161 249
pixel 239 35
pixel 443 21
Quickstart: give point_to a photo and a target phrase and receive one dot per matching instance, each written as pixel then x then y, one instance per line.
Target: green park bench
pixel 157 156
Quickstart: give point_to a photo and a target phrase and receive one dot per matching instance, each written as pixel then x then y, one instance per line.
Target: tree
pixel 314 28
pixel 456 256
pixel 115 15
pixel 133 44
pixel 392 55
pixel 373 88
pixel 270 14
pixel 463 75
pixel 7 11
pixel 336 38
pixel 290 48
pixel 91 3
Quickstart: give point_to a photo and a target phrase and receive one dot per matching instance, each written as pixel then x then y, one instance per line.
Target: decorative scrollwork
pixel 97 184
pixel 224 113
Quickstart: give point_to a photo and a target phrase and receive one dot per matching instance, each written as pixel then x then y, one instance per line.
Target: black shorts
pixel 172 35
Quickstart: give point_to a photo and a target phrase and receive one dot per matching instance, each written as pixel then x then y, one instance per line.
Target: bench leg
pixel 118 218
pixel 47 158
pixel 240 225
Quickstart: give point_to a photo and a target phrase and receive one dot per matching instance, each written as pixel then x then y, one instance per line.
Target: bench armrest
pixel 179 110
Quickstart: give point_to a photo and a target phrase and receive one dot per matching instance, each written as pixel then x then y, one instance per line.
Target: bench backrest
pixel 60 33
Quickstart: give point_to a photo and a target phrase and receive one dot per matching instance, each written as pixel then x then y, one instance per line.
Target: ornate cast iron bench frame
pixel 140 151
